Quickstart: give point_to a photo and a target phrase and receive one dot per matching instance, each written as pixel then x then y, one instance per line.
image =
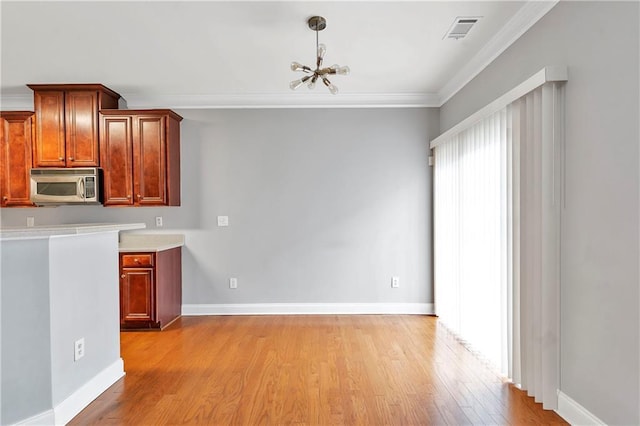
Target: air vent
pixel 461 26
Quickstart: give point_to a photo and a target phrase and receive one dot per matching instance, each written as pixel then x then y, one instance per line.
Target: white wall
pixel 26 336
pixel 599 42
pixel 84 303
pixel 324 205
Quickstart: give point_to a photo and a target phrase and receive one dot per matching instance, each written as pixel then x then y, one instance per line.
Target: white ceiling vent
pixel 461 26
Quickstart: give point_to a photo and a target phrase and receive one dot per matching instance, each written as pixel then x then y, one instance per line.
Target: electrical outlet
pixel 223 220
pixel 233 282
pixel 395 282
pixel 158 221
pixel 78 347
pixel 30 221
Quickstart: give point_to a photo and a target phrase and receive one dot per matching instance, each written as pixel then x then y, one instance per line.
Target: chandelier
pixel 317 23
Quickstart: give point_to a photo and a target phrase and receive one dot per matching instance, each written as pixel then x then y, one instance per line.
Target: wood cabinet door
pixel 81 128
pixel 149 159
pixel 15 143
pixel 49 145
pixel 116 159
pixel 137 296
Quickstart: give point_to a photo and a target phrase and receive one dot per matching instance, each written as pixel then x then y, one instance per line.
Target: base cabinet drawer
pixel 137 260
pixel 150 289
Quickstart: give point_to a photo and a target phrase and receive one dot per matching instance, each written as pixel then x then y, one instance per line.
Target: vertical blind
pixel 497 193
pixel 472 208
pixel 538 138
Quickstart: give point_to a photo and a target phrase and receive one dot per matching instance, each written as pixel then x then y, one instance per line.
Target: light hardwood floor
pixel 316 370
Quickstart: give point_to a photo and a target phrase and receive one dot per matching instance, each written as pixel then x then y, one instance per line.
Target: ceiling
pixel 197 54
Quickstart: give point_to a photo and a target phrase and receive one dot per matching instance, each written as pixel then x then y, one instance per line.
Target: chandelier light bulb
pixel 333 89
pixel 343 70
pixel 312 82
pixel 322 49
pixel 337 69
pixel 296 66
pixel 295 84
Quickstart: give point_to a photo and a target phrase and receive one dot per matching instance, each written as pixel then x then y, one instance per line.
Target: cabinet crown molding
pixel 92 86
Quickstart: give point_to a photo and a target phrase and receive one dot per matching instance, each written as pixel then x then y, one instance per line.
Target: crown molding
pixel 137 101
pixel 289 100
pixel 520 23
pixel 292 100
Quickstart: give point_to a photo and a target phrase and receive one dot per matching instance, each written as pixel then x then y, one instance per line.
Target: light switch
pixel 223 220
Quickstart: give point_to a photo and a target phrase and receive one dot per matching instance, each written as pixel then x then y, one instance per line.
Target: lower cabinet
pixel 150 289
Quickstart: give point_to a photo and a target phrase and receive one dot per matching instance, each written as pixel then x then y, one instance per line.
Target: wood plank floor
pixel 315 370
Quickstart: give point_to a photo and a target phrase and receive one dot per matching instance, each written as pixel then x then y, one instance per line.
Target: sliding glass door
pixel 497 202
pixel 472 214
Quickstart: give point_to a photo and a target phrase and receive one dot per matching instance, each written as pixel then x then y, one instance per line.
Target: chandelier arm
pixel 325 71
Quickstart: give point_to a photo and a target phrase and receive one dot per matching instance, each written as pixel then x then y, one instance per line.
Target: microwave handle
pixel 81 187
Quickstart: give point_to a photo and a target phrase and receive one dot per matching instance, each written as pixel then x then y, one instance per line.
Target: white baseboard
pixel 575 413
pixel 77 401
pixel 308 309
pixel 44 418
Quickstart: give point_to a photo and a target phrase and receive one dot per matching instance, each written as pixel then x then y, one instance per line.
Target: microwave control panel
pixel 90 186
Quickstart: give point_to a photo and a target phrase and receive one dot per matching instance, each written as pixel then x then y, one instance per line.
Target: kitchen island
pixel 59 319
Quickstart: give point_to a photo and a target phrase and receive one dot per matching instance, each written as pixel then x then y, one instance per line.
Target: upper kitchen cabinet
pixel 67 123
pixel 140 157
pixel 16 134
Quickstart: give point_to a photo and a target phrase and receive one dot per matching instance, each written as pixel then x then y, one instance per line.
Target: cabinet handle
pixel 122 276
pixel 136 260
pixel 128 196
pixel 61 158
pixel 139 196
pixel 5 198
pixel 70 158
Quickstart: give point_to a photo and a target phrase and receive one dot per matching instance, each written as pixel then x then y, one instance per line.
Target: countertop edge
pixel 136 243
pixel 62 230
pixel 148 249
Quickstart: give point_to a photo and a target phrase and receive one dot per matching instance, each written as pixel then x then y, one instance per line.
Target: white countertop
pixel 149 242
pixel 45 231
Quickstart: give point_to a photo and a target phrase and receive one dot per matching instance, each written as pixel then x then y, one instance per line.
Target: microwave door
pixel 53 189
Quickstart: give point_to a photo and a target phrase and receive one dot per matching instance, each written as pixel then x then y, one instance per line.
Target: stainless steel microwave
pixel 53 186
